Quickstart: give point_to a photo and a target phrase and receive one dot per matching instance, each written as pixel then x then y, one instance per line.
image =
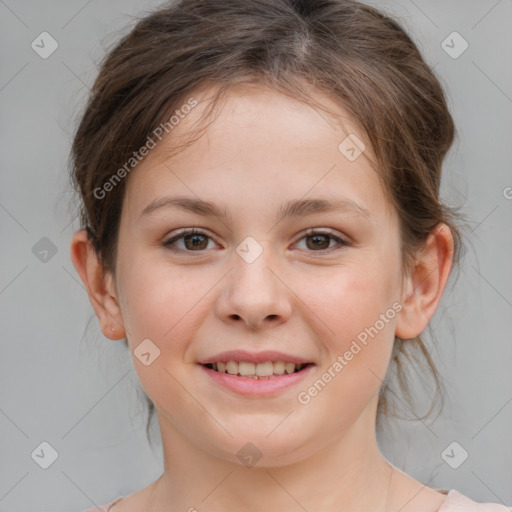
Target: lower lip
pixel 257 387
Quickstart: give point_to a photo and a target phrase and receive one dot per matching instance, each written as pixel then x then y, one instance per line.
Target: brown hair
pixel 356 55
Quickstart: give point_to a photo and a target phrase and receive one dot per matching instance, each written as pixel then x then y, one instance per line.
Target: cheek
pixel 163 302
pixel 353 298
pixel 356 303
pixel 358 345
pixel 148 290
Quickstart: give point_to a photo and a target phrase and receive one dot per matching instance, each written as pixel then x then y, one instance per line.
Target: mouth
pixel 258 371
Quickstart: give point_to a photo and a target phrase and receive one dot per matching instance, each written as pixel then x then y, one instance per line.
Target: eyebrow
pixel 293 208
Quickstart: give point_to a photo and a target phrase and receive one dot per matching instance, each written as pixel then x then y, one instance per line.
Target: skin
pixel 264 149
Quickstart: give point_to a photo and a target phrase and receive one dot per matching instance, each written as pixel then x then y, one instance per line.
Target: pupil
pixel 317 237
pixel 196 243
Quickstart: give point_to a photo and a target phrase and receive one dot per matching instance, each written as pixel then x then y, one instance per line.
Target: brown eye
pixel 193 241
pixel 318 241
pixel 196 241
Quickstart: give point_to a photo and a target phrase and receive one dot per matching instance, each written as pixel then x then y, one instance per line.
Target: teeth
pixel 246 369
pixel 289 367
pixel 232 367
pixel 279 367
pixel 265 370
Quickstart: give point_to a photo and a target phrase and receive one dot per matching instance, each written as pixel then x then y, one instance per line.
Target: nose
pixel 255 294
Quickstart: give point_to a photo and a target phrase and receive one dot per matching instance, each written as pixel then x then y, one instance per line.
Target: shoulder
pixel 457 502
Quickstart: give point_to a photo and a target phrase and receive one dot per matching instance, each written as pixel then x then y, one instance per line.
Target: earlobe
pixel 410 322
pixel 423 288
pixel 99 285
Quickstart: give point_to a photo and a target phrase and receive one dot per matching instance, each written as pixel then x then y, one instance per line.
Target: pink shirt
pixel 455 502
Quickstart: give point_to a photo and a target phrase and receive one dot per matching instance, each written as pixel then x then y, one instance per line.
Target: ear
pixel 424 286
pixel 99 285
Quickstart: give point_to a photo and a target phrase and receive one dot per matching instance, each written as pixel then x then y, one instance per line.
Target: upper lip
pixel 254 357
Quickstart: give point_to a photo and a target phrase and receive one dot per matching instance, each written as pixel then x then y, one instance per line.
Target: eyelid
pixel 322 231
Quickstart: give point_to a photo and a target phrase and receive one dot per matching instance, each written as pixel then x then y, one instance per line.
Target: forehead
pixel 261 145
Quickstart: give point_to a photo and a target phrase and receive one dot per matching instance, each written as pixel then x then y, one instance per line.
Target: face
pixel 317 285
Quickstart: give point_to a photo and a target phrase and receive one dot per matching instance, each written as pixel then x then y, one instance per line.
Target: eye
pixel 193 239
pixel 321 240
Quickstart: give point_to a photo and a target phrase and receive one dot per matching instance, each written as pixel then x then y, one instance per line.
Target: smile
pixel 264 370
pixel 241 378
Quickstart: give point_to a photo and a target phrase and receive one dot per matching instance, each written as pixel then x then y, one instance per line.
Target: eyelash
pixel 309 232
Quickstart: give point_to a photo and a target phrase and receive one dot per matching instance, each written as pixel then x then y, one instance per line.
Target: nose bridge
pixel 253 264
pixel 254 293
pixel 253 261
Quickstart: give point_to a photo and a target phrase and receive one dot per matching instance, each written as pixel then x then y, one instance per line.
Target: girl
pixel 259 183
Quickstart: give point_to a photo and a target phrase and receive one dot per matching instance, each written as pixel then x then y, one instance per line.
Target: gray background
pixel 64 383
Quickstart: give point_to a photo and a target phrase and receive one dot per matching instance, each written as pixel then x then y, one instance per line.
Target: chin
pixel 260 448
